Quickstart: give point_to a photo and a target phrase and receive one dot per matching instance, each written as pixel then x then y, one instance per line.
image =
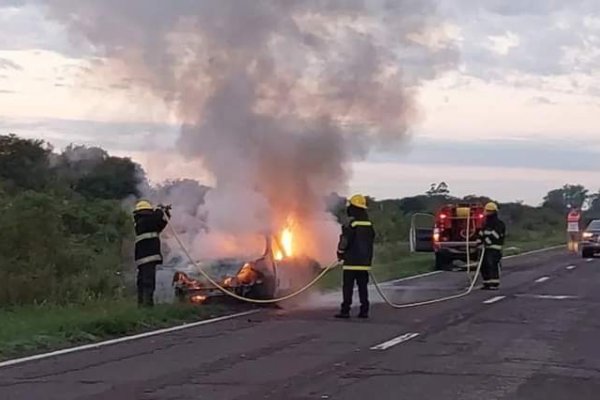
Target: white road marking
pixel 206 322
pixel 494 299
pixel 409 278
pixel 395 341
pixel 542 279
pixel 426 274
pixel 547 296
pixel 589 260
pixel 534 252
pixel 571 267
pixel 123 339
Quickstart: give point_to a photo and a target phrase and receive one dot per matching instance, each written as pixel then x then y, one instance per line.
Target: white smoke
pixel 275 98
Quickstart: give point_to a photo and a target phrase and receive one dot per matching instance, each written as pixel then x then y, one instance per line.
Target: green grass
pixel 514 248
pixel 394 261
pixel 25 330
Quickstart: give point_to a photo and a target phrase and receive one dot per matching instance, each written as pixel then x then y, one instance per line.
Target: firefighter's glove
pixel 166 209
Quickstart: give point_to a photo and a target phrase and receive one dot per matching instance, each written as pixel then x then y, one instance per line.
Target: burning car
pixel 276 273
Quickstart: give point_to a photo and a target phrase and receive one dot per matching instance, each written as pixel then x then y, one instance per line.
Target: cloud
pixel 528 152
pixel 113 136
pixel 504 43
pixel 536 153
pixel 532 38
pixel 25 27
pixel 8 64
pixel 4 91
pixel 399 179
pixel 11 3
pixel 120 86
pixel 542 100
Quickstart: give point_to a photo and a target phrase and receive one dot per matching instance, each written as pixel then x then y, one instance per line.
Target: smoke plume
pixel 276 98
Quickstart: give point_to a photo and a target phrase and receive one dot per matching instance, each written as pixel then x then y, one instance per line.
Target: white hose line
pixel 433 301
pixel 242 298
pixel 472 281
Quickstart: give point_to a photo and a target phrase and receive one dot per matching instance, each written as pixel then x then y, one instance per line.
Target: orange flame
pixel 198 299
pixel 285 244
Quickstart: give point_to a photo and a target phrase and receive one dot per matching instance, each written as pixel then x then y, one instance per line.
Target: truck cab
pixel 453 234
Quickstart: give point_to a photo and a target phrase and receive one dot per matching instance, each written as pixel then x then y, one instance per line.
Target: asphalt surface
pixel 536 338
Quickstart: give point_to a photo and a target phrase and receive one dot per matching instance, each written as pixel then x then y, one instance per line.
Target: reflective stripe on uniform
pixel 145 260
pixel 492 233
pixel 491 281
pixel 356 268
pixel 494 247
pixel 488 241
pixel 144 236
pixel 360 223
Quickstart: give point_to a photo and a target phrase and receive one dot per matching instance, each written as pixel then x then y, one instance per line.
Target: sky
pixel 517 117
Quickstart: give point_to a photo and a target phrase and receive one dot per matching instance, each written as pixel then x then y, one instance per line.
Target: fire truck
pixel 449 237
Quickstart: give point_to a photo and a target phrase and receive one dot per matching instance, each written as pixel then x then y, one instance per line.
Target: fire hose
pixel 466 292
pixel 432 301
pixel 325 271
pixel 242 298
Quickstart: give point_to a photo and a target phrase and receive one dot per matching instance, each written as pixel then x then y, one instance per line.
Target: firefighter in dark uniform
pixel 149 223
pixel 355 249
pixel 491 237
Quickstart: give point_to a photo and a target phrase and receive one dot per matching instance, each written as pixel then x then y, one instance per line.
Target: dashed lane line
pixel 206 322
pixel 494 299
pixel 547 296
pixel 542 279
pixel 395 341
pixel 534 252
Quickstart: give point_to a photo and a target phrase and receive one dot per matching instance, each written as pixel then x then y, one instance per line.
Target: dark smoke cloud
pixel 275 97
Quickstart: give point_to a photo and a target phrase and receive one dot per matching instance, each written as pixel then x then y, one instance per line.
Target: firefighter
pixel 491 237
pixel 149 223
pixel 573 230
pixel 355 250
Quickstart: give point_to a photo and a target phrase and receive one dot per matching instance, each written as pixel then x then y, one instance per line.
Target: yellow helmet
pixel 143 205
pixel 358 200
pixel 491 207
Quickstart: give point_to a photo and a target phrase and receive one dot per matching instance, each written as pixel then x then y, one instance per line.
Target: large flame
pixel 285 244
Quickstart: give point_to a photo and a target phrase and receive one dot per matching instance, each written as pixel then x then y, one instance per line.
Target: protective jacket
pixel 148 226
pixel 355 247
pixel 493 233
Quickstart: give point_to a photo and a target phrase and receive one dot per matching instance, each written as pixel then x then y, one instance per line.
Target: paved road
pixel 524 342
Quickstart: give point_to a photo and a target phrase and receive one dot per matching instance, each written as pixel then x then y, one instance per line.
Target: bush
pixel 62 227
pixel 59 250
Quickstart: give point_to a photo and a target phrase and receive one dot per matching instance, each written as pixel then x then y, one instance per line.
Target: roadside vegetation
pixel 38 328
pixel 66 273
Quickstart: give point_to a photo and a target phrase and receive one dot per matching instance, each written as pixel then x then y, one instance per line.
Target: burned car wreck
pixel 272 275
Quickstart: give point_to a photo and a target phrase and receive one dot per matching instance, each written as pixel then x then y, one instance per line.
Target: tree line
pixel 65 236
pixel 62 225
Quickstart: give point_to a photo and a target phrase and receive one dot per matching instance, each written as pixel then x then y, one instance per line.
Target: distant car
pixel 590 239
